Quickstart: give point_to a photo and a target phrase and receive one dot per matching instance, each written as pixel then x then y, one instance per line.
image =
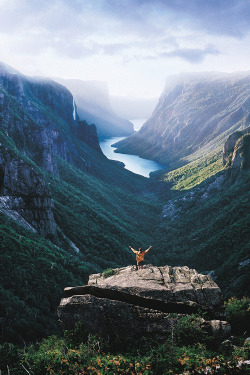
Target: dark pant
pixel 140 264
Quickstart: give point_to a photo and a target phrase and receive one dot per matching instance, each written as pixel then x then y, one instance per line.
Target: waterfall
pixel 74 110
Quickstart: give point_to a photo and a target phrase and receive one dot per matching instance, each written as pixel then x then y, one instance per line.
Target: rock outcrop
pixel 88 134
pixel 236 152
pixel 24 195
pixel 139 302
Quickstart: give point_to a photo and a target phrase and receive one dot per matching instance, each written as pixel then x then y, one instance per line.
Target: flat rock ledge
pixel 141 302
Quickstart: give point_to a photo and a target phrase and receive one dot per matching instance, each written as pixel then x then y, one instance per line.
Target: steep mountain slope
pixel 206 225
pixel 194 116
pixel 93 105
pixel 65 209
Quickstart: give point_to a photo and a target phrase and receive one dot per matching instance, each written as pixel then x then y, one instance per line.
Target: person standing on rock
pixel 140 256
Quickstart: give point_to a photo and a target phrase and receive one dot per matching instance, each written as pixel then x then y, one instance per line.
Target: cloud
pixel 120 39
pixel 192 55
pixel 226 17
pixel 87 28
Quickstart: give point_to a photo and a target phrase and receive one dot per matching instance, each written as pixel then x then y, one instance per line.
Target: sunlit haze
pixel 131 44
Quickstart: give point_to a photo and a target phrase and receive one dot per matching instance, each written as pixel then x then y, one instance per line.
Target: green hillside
pixel 207 228
pixel 98 208
pixel 84 211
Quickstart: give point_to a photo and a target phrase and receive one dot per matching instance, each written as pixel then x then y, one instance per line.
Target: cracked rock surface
pixel 139 302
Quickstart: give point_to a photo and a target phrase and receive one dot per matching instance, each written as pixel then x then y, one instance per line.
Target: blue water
pixel 132 162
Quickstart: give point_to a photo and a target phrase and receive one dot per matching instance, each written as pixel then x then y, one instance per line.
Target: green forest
pixel 196 215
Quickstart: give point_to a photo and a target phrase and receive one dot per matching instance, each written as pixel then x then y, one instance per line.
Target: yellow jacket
pixel 140 255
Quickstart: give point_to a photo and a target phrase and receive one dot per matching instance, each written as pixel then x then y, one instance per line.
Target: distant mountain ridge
pixel 93 105
pixel 195 114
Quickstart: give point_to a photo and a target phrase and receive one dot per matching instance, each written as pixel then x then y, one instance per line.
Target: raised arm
pixel 134 251
pixel 148 249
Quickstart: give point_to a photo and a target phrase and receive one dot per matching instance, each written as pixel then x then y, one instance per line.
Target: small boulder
pixel 219 329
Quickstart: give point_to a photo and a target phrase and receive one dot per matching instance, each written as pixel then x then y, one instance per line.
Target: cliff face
pixel 236 153
pixel 93 105
pixel 37 125
pixel 88 134
pixel 24 195
pixel 139 302
pixel 29 108
pixel 195 114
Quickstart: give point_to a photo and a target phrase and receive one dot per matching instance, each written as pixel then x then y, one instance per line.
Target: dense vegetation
pixel 100 220
pixel 207 228
pixel 98 214
pixel 188 350
pixel 193 173
pixel 99 211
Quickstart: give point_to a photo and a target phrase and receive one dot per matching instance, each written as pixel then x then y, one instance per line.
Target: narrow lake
pixel 132 162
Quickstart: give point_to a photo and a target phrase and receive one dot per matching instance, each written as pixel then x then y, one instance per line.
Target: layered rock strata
pixel 139 302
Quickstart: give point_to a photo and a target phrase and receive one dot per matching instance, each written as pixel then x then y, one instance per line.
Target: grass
pixel 194 173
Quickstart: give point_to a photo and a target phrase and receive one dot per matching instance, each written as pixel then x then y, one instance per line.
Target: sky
pixel 134 45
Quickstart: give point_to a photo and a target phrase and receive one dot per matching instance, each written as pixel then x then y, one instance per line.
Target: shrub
pixel 76 336
pixel 188 332
pixel 9 359
pixel 108 272
pixel 238 315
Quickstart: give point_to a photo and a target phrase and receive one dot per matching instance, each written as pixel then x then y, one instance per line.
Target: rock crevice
pixel 115 295
pixel 142 301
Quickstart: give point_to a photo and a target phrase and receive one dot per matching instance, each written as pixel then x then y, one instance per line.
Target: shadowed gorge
pixel 124 187
pixel 66 211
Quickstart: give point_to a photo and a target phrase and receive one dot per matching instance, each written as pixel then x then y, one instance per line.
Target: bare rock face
pixel 139 302
pixel 30 111
pixel 196 111
pixel 236 153
pixel 232 152
pixel 24 195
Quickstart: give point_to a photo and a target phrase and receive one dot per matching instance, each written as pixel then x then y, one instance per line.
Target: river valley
pixel 132 162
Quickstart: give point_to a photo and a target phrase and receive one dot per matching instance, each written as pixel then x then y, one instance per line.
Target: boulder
pixel 219 329
pixel 140 302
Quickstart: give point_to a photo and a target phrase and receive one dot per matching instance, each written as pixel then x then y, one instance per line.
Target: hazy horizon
pixel 133 45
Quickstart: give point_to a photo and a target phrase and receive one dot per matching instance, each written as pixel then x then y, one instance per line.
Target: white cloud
pixel 133 44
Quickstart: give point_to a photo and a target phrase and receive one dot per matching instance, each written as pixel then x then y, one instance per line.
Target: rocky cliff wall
pixel 24 195
pixel 38 115
pixel 195 114
pixel 36 118
pixel 236 153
